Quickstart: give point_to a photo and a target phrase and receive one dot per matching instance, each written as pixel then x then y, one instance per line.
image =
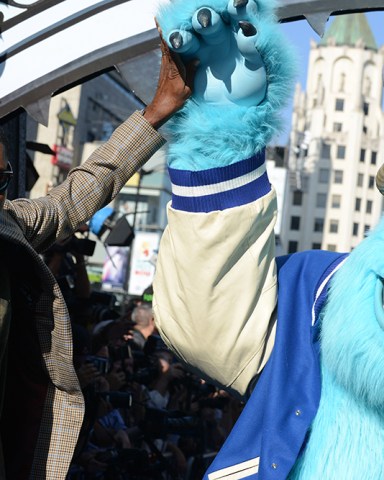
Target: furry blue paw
pixel 231 68
pixel 244 79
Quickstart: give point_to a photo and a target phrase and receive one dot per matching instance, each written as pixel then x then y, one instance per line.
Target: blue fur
pixel 347 436
pixel 206 135
pixel 178 14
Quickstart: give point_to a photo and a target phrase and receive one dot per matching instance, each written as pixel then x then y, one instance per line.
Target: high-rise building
pixel 336 142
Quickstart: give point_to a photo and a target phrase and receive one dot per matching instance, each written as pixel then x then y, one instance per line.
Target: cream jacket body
pixel 215 289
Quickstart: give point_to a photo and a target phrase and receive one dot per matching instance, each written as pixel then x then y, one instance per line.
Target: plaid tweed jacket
pixel 33 225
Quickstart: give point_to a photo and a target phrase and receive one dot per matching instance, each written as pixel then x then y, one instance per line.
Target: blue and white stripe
pixel 322 290
pixel 220 188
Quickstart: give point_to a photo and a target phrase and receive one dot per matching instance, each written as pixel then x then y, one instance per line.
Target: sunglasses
pixel 5 178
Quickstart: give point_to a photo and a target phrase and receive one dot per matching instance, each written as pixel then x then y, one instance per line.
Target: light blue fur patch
pixel 178 14
pixel 352 337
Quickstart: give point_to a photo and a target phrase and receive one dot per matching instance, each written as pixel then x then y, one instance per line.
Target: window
pixel 369 206
pixel 373 158
pixel 321 200
pixel 337 127
pixel 362 155
pixel 336 201
pixel 326 151
pixel 323 175
pixel 366 229
pixel 357 204
pixel 355 229
pixel 366 108
pixel 297 197
pixel 338 176
pixel 333 226
pixel 293 246
pixel 365 130
pixel 331 248
pixel 340 151
pixel 318 225
pixel 339 107
pixel 371 182
pixel 316 246
pixel 295 223
pixel 360 180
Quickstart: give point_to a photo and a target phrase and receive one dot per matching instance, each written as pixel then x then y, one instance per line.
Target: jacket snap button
pixel 274 466
pixel 298 413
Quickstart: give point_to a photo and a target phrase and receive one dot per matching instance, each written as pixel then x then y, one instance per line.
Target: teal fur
pixel 207 135
pixel 347 435
pixel 178 14
pixel 346 441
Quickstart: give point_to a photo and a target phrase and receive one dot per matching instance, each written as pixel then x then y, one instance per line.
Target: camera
pixel 146 367
pixel 159 423
pixel 81 246
pixel 118 399
pixel 138 463
pixel 101 306
pixel 101 363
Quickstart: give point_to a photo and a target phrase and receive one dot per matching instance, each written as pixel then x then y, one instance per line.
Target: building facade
pixel 336 142
pixel 80 120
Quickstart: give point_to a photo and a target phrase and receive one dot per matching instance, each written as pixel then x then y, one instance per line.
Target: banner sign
pixel 143 262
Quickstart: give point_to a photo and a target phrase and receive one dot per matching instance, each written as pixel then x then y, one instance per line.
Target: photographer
pixel 143 324
pixel 67 261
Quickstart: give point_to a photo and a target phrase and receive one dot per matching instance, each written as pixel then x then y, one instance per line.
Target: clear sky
pixel 300 34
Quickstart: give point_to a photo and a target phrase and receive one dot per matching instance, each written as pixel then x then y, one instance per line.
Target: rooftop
pixel 349 30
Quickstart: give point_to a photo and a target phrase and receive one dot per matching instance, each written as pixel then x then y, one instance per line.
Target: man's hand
pixel 173 89
pixel 116 377
pixel 87 374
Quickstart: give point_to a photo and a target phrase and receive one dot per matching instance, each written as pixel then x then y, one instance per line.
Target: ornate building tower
pixel 337 142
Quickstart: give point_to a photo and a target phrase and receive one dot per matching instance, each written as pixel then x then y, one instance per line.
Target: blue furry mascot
pixel 299 337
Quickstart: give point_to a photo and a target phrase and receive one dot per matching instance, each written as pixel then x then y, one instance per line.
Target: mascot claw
pixel 248 29
pixel 231 69
pixel 239 3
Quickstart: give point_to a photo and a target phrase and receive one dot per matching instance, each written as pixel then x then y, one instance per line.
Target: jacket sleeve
pixel 215 284
pixel 88 187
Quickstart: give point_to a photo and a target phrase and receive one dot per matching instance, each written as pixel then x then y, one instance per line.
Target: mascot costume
pixel 299 337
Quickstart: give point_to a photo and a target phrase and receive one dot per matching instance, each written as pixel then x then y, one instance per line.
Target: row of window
pixel 338 177
pixel 321 202
pixel 338 127
pixel 341 152
pixel 318 226
pixel 340 104
pixel 293 245
pixel 363 156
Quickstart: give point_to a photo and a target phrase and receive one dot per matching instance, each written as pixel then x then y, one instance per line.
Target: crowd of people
pixel 146 416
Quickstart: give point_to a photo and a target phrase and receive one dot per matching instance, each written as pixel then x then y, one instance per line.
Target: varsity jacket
pixel 28 227
pixel 272 429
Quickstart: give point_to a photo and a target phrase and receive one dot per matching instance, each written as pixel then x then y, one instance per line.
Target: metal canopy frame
pixel 48 45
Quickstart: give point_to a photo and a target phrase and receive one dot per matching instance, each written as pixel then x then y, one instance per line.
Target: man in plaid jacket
pixel 42 404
